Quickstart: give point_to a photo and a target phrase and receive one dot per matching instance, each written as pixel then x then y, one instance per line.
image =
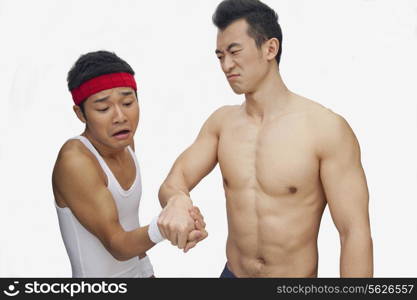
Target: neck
pixel 104 150
pixel 269 99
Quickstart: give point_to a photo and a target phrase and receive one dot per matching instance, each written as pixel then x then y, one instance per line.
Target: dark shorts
pixel 227 273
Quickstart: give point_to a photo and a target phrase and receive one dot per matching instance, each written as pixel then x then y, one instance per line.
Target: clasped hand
pixel 182 223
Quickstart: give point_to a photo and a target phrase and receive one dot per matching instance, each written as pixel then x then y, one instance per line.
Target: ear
pixel 271 48
pixel 79 113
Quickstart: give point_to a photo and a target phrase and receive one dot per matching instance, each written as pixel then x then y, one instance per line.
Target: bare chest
pixel 278 158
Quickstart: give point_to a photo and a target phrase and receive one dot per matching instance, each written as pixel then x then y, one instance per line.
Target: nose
pixel 227 64
pixel 119 115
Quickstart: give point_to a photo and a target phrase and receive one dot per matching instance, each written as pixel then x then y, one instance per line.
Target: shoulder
pixel 74 159
pixel 73 151
pixel 333 133
pixel 217 119
pixel 320 118
pixel 329 130
pixel 328 122
pixel 224 112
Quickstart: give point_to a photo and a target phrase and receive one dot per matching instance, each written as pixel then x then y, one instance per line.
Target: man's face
pixel 241 60
pixel 112 116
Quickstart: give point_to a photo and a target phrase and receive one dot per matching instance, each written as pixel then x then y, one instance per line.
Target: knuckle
pixel 181 228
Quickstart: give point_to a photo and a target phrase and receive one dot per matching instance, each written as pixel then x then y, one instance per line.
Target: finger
pixel 203 224
pixel 194 236
pixel 173 237
pixel 189 246
pixel 196 209
pixel 197 217
pixel 199 225
pixel 204 234
pixel 192 211
pixel 193 214
pixel 162 227
pixel 201 219
pixel 182 238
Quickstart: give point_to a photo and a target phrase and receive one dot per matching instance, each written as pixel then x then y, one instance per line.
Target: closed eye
pixel 103 109
pixel 128 104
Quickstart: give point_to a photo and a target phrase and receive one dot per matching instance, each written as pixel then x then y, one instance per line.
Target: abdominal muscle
pixel 273 236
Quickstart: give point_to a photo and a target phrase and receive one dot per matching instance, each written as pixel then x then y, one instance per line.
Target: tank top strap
pixel 93 150
pixel 132 154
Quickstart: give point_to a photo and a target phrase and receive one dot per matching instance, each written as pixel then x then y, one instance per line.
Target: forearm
pixel 126 245
pixel 174 185
pixel 356 259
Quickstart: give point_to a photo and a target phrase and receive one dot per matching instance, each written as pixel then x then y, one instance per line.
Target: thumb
pixel 194 235
pixel 189 246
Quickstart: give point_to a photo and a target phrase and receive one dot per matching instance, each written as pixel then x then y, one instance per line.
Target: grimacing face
pixel 112 117
pixel 243 63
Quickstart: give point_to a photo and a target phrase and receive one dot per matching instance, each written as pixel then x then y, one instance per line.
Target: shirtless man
pixel 283 158
pixel 96 179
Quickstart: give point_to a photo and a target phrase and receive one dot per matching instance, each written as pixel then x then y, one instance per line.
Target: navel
pixel 261 260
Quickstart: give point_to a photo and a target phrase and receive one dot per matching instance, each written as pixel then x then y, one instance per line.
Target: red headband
pixel 100 83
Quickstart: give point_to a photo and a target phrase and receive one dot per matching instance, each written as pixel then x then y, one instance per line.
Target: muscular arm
pixel 78 183
pixel 190 167
pixel 346 192
pixel 193 164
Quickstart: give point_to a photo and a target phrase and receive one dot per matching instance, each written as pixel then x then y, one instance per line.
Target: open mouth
pixel 122 132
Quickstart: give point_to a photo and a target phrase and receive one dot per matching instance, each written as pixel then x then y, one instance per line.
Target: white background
pixel 356 57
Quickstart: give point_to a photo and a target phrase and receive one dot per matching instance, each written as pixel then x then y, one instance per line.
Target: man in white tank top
pixel 96 178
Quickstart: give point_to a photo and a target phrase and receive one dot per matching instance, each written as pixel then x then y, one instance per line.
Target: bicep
pixel 89 199
pixel 344 181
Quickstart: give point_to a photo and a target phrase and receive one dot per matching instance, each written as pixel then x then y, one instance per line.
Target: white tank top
pixel 88 256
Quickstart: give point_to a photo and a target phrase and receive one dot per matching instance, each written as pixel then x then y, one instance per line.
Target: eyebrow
pixel 102 99
pixel 126 93
pixel 123 93
pixel 229 47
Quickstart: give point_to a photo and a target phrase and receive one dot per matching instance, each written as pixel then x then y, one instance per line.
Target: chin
pixel 126 142
pixel 119 144
pixel 237 90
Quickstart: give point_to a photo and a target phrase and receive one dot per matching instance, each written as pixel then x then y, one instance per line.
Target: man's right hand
pixel 175 221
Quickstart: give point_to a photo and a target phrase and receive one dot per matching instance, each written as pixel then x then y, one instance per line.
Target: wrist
pixel 153 231
pixel 180 199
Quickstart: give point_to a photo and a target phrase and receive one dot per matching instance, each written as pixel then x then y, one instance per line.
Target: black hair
pixel 262 20
pixel 94 64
